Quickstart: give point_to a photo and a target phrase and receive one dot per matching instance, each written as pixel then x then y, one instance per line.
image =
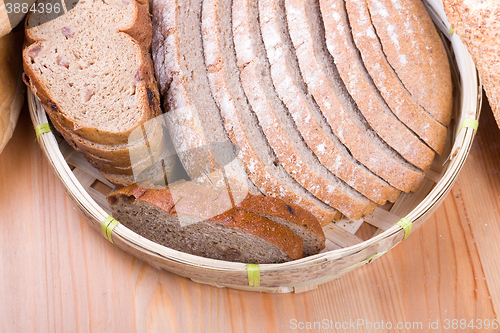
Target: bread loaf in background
pixel 477 22
pixel 12 88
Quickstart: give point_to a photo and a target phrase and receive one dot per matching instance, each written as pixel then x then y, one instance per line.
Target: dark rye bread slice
pixel 300 221
pixel 94 70
pixel 325 86
pixel 397 97
pixel 414 49
pixel 274 123
pixel 178 54
pixel 307 117
pixel 190 224
pixel 305 14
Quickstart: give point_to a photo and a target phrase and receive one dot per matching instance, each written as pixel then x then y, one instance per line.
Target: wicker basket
pixel 344 251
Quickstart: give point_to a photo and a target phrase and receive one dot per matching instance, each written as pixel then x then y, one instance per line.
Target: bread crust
pixel 116 155
pixel 11 86
pixel 184 123
pixel 307 120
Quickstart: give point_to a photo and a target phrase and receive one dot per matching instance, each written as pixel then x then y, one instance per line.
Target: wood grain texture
pixel 59 275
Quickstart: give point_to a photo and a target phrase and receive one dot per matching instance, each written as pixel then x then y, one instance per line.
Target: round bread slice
pixel 273 124
pixel 304 113
pixel 193 117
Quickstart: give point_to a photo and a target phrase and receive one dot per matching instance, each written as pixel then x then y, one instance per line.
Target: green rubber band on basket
pixel 469 123
pixel 407 225
pixel 451 31
pixel 40 129
pixel 107 227
pixel 253 274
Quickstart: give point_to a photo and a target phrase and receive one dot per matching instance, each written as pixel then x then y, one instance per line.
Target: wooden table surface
pixel 57 274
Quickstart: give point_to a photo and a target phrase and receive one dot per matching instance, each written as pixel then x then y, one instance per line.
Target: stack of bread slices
pixel 94 76
pixel 332 107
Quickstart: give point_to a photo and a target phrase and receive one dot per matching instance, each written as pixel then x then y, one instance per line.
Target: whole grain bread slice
pixel 397 97
pixel 164 170
pixel 304 14
pixel 307 117
pixel 189 224
pixel 273 124
pixel 327 89
pixel 414 49
pixel 93 71
pixel 178 54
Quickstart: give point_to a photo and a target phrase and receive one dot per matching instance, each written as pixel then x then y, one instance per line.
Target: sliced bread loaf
pixel 235 235
pixel 121 155
pixel 388 83
pixel 414 49
pixel 478 23
pixel 277 127
pixel 306 14
pixel 282 74
pixel 192 115
pixel 297 219
pixel 343 116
